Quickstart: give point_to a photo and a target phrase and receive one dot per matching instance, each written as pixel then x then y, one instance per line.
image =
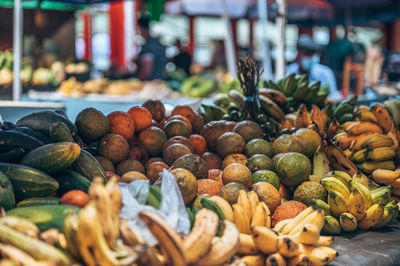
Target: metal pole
pixel 280 51
pixel 17 49
pixel 263 18
pixel 229 47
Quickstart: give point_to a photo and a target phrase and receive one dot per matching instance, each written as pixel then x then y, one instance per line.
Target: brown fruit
pixel 238 173
pixel 176 127
pixel 153 160
pixel 156 108
pixel 183 110
pixel 229 143
pixel 212 130
pixel 129 165
pixel 212 160
pixel 283 191
pixel 121 123
pixel 287 210
pixel 230 192
pixel 141 116
pixel 76 198
pixel 208 186
pixel 153 139
pixel 105 163
pixel 138 152
pixel 192 163
pixel 184 120
pixel 267 193
pixel 215 174
pixel 132 176
pixel 181 140
pixel 199 144
pixel 114 147
pixel 197 123
pixel 234 158
pixel 154 170
pixel 91 124
pixel 248 130
pixel 187 183
pixel 175 151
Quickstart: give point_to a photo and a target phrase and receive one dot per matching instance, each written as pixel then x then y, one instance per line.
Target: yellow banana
pixel 281 225
pixel 253 260
pixel 316 218
pixel 247 245
pixel 244 201
pixel 259 217
pixel 316 116
pixel 394 136
pixel 167 237
pixel 199 240
pixel 224 206
pixel 129 236
pixel 268 218
pixel 363 127
pixel 370 166
pixel 386 177
pixel 383 118
pixel 285 124
pixel 21 225
pixel 299 260
pixel 275 259
pixel 325 241
pixel 349 153
pixel 344 177
pixel 377 141
pixel 309 235
pixel 360 178
pixel 288 246
pixel 333 128
pixel 241 219
pixel 348 222
pixel 348 124
pixel 319 255
pixel 303 118
pixel 381 154
pixel 372 216
pixel 223 248
pixel 337 203
pixel 344 141
pixel 386 217
pixel 359 156
pixel 367 116
pixel 334 184
pixel 364 191
pixel 288 225
pixel 324 117
pixel 362 108
pixel 358 143
pixel 396 183
pixel 70 229
pixel 253 201
pixel 356 204
pixel 331 226
pixel 17 256
pixel 263 235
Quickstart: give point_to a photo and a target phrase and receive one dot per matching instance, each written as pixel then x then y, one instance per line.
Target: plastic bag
pixel 172 207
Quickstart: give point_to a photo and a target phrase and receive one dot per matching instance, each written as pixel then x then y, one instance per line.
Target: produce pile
pixel 257 192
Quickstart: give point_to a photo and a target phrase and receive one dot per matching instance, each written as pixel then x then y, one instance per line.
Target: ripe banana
pixel 16 256
pixel 253 201
pixel 129 236
pixel 265 239
pixel 244 201
pixel 288 246
pixel 260 216
pixel 212 206
pixel 303 118
pixel 70 229
pixel 344 140
pixel 268 218
pixel 285 226
pixel 386 217
pixel 337 203
pixel 167 237
pixel 393 134
pixel 358 142
pixel 348 124
pixel 381 154
pixel 223 248
pixel 247 245
pixel 316 218
pixel 339 161
pixel 392 106
pixel 372 215
pixel 199 240
pixel 396 183
pixel 325 241
pixel 309 235
pixel 316 116
pixel 363 127
pixel 364 191
pixel 356 204
pixel 360 178
pixel 348 222
pixel 383 118
pixel 331 226
pixel 318 255
pixel 333 128
pixel 342 176
pixel 360 156
pixel 369 167
pixel 299 260
pixel 381 194
pixel 334 184
pixel 285 124
pixel 253 260
pixel 377 141
pixel 320 204
pixel 241 219
pixel 271 108
pixel 367 116
pixel 224 206
pixel 320 161
pixel 21 225
pixel 275 259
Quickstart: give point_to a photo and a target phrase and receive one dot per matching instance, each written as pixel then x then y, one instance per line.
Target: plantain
pixel 271 108
pixel 383 118
pixel 339 161
pixel 303 118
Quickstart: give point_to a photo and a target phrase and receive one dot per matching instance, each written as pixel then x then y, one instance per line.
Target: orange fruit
pixel 156 108
pixel 199 144
pixel 183 119
pixel 121 123
pixel 212 160
pixel 152 160
pixel 76 198
pixel 154 170
pixel 215 174
pixel 208 186
pixel 183 110
pixel 186 182
pixel 141 116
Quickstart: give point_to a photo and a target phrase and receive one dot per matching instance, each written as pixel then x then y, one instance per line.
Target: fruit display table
pixel 369 247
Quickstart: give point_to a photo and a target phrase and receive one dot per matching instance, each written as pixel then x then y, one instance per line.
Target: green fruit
pixel 59 132
pixel 293 169
pixel 70 180
pixel 7 198
pixel 258 146
pixel 309 139
pixel 229 143
pixel 230 192
pixel 38 202
pixel 260 162
pixel 88 166
pixel 276 158
pixel 92 124
pixel 266 176
pixel 308 191
pixel 287 143
pixel 248 130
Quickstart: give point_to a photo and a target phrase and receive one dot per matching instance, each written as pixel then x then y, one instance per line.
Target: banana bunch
pixel 344 111
pixel 351 204
pixel 295 241
pixel 154 196
pixel 388 177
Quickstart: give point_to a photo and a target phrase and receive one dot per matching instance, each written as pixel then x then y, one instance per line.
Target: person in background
pixel 307 62
pixel 151 59
pixel 183 59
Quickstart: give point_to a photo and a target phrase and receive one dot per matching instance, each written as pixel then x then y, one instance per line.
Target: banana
pixel 332 128
pixel 364 191
pixel 358 142
pixel 331 226
pixel 316 116
pixel 343 108
pixel 253 201
pixel 224 206
pixel 396 183
pixel 268 216
pixel 276 96
pixel 386 217
pixel 318 255
pixel 285 124
pixel 342 176
pixel 129 236
pixel 393 107
pixel 325 241
pixel 265 239
pixel 244 201
pixel 348 124
pixel 395 210
pixel 17 256
pixel 253 260
pixel 271 108
pixel 367 116
pixel 281 225
pixel 324 115
pixel 348 222
pixel 299 260
pixel 381 154
pixel 377 141
pixel 247 245
pixel 199 240
pixel 320 204
pixel 337 203
pixel 349 153
pixel 396 191
pixel 275 259
pixel 223 248
pixel 356 204
pixel 285 226
pixel 313 126
pixel 339 161
pixel 212 206
pixel 381 194
pixel 21 225
pixel 260 216
pixel 372 215
pixel 332 183
pixel 344 140
pixel 393 134
pixel 383 118
pixel 300 92
pixel 320 162
pixel 70 229
pixel 364 127
pixel 303 118
pixel 346 118
pixel 360 156
pixel 369 167
pixel 241 219
pixel 359 177
pixel 167 237
pixel 316 218
pixel 288 246
pixel 236 97
pixel 148 255
pixel 309 235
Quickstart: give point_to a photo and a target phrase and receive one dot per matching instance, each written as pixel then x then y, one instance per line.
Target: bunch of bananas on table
pixel 390 178
pixel 355 202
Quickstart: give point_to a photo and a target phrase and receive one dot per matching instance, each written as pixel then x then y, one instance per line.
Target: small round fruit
pixel 212 160
pixel 208 186
pixel 234 158
pixel 132 176
pixel 183 119
pixel 310 141
pixel 129 165
pixel 105 163
pixel 212 130
pixel 141 116
pixel 192 163
pixel 154 170
pixel 266 176
pixel 260 162
pixel 75 197
pixel 183 110
pixel 199 143
pixel 114 147
pixel 176 127
pixel 248 130
pixel 230 192
pixel 92 124
pixel 287 210
pixel 180 140
pixel 121 123
pixel 138 152
pixel 187 184
pixel 267 193
pixel 197 123
pixel 152 160
pixel 237 172
pixel 258 146
pixel 156 108
pixel 175 151
pixel 229 143
pixel 215 174
pixel 293 169
pixel 308 191
pixel 153 140
pixel 284 192
pixel 286 143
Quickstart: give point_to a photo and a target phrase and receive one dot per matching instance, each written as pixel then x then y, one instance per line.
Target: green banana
pixel 370 166
pixel 387 216
pixel 337 203
pixel 320 204
pixel 290 84
pixel 320 162
pixel 331 226
pixel 381 194
pixel 301 92
pixel 359 156
pixel 156 191
pixel 352 100
pixel 395 210
pixel 302 79
pixel 311 94
pixel 213 111
pixel 274 86
pixel 342 109
pixel 191 216
pixel 152 201
pixel 346 118
pixel 334 184
pixel 212 206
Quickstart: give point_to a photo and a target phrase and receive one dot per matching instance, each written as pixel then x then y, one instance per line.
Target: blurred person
pixel 183 59
pixel 307 62
pixel 218 59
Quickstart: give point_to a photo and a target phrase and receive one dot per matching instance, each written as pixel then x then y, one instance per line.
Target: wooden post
pixel 191 36
pixel 251 37
pixel 87 35
pixel 234 35
pixel 117 29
